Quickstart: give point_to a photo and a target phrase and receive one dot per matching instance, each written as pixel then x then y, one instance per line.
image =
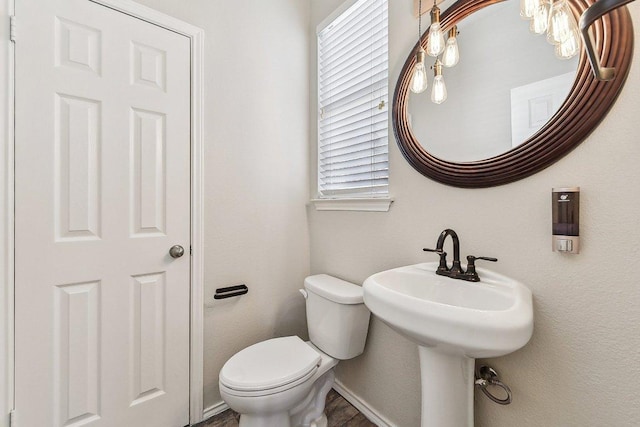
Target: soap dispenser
pixel 566 219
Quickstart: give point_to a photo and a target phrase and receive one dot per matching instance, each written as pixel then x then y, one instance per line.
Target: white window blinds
pixel 353 104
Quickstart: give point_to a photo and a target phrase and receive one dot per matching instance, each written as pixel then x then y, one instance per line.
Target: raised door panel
pixel 148 173
pixel 147 333
pixel 148 66
pixel 78 46
pixel 77 168
pixel 77 353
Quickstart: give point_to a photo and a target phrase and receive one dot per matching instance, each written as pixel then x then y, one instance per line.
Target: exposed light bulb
pixel 539 22
pixel 561 22
pixel 435 40
pixel 451 54
pixel 419 78
pixel 439 89
pixel 435 44
pixel 570 47
pixel 528 8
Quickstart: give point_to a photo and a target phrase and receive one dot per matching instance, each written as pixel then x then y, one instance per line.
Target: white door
pixel 102 193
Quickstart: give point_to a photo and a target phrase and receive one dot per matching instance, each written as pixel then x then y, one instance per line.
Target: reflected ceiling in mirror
pixel 507 86
pixel 583 108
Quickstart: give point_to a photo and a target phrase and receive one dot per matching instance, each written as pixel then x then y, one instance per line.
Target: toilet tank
pixel 337 318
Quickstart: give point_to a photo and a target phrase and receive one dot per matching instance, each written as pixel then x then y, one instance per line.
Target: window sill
pixel 378 204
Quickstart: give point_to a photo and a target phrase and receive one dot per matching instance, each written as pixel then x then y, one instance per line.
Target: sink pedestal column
pixel 447 389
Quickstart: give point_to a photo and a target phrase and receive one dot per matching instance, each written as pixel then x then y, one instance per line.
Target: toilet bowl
pixel 283 382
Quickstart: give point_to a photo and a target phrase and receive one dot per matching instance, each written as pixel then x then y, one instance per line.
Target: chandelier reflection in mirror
pixel 555 18
pixel 436 46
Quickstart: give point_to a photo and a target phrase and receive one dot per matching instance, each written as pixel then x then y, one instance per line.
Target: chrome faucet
pixel 456 271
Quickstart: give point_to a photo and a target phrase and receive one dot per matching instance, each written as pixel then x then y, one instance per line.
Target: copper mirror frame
pixel 586 105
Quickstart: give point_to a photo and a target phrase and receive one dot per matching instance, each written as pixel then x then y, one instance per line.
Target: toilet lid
pixel 269 364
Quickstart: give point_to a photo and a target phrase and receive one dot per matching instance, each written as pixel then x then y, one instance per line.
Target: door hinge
pixel 190 250
pixel 12 28
pixel 12 418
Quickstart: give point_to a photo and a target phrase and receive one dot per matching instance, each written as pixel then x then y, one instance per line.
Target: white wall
pixel 581 367
pixel 256 169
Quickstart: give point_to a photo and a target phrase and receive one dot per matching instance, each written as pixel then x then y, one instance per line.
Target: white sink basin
pixel 453 322
pixel 489 318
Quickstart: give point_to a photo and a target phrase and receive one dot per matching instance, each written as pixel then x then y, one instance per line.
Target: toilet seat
pixel 269 367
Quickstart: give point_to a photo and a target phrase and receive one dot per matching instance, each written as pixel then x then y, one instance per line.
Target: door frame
pixel 7 205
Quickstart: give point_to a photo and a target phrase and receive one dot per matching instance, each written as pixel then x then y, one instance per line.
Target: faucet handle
pixel 438 251
pixel 443 257
pixel 471 259
pixel 471 273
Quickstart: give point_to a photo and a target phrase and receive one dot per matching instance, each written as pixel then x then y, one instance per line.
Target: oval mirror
pixel 513 108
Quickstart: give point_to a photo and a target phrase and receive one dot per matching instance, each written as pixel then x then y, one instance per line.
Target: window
pixel 353 103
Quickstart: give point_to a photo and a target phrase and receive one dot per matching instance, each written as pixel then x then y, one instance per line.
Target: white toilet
pixel 283 382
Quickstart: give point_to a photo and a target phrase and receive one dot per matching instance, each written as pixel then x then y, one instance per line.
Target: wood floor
pixel 340 413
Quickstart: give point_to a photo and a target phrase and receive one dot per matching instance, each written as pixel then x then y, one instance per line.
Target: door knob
pixel 176 251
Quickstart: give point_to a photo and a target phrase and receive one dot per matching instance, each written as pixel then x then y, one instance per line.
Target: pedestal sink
pixel 453 322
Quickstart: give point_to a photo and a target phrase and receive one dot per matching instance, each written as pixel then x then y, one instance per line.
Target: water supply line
pixel 487 377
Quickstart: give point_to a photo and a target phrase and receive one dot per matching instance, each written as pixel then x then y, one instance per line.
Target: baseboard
pixel 214 410
pixel 362 406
